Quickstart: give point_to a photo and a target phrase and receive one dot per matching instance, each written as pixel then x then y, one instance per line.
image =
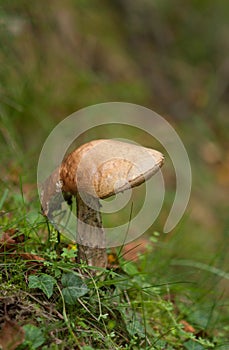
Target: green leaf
pixel 68 253
pixel 133 321
pixel 43 282
pixel 130 268
pixel 74 287
pixel 193 345
pixel 33 336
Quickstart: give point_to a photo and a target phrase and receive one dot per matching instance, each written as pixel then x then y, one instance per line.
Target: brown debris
pixel 11 335
pixel 187 327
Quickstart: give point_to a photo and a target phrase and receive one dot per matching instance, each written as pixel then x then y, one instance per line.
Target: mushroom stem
pixel 91 235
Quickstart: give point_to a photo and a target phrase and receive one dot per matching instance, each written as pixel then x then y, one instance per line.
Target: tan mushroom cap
pixel 102 168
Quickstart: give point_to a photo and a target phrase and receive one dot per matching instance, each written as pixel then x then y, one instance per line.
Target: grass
pixel 54 62
pixel 155 303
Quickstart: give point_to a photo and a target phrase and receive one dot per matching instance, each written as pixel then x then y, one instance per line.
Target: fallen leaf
pixel 129 252
pixel 187 327
pixel 32 260
pixel 6 242
pixel 31 257
pixel 10 239
pixel 133 250
pixel 11 335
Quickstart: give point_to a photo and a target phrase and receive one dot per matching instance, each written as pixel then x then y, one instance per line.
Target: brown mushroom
pixel 98 170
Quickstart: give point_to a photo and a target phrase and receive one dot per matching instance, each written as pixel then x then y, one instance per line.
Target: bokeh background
pixel 170 56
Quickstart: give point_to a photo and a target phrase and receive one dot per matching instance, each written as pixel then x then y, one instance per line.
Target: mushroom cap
pixel 102 168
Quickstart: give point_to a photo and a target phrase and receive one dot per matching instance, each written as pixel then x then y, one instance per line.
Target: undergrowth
pixel 151 53
pixel 48 301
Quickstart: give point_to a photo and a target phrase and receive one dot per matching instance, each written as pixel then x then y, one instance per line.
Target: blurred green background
pixel 168 55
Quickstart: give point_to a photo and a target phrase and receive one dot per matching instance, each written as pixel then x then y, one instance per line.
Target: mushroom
pixel 94 171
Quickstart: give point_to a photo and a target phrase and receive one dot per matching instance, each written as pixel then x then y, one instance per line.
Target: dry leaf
pixel 10 239
pixel 31 257
pixel 32 260
pixel 133 250
pixel 6 242
pixel 187 327
pixel 129 252
pixel 11 335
